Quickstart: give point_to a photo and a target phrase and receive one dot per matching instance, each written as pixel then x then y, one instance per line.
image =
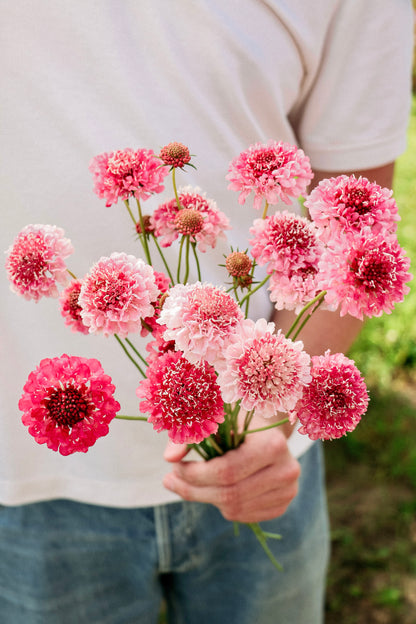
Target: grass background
pixel 371 474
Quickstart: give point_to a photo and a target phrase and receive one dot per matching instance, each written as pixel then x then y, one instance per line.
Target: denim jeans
pixel 63 562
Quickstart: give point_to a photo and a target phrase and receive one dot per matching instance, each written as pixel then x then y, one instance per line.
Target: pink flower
pixel 294 290
pixel 347 204
pixel 263 370
pixel 70 308
pixel 67 403
pixel 201 319
pixel 116 294
pixel 274 171
pixel 285 242
pixel 181 398
pixel 158 346
pixel 35 261
pixel 150 322
pixel 333 403
pixel 366 275
pixel 175 155
pixel 210 229
pixel 126 173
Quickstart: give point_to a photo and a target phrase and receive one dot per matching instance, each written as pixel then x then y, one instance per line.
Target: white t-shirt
pixel 84 77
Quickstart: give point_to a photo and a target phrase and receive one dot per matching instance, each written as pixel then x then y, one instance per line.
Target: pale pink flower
pixel 348 204
pixel 285 242
pixel 273 171
pixel 201 319
pixel 35 261
pixel 334 401
pixel 70 308
pixel 366 275
pixel 293 290
pixel 116 294
pixel 264 370
pixel 181 398
pixel 68 403
pixel 125 173
pixel 214 224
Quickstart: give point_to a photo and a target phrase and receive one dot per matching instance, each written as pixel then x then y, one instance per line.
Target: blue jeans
pixel 63 562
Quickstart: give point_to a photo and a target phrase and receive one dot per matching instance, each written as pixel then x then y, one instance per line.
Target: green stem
pixel 163 259
pixel 198 268
pixel 319 297
pixel 199 450
pixel 143 235
pixel 306 319
pixel 71 274
pixel 123 417
pixel 131 358
pixel 185 279
pixel 265 210
pixel 275 424
pixel 251 292
pixel 178 273
pixel 214 444
pixel 133 348
pixel 175 190
pixel 261 536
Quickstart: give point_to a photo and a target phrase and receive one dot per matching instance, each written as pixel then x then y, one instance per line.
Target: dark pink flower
pixel 273 171
pixel 364 275
pixel 126 173
pixel 68 403
pixel 263 370
pixel 201 319
pixel 285 242
pixel 348 204
pixel 168 228
pixel 181 398
pixel 116 294
pixel 150 322
pixel 36 261
pixel 70 308
pixel 175 155
pixel 334 401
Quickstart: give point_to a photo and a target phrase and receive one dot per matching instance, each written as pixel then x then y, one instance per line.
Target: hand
pixel 254 482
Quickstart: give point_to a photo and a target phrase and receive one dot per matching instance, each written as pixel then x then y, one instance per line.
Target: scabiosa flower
pixel 116 294
pixel 334 401
pixel 150 322
pixel 273 171
pixel 294 290
pixel 201 319
pixel 67 403
pixel 181 398
pixel 125 173
pixel 35 261
pixel 347 204
pixel 168 223
pixel 366 275
pixel 263 370
pixel 158 346
pixel 70 308
pixel 239 265
pixel 175 155
pixel 285 242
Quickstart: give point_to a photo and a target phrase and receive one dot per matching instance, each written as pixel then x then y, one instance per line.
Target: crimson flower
pixel 67 403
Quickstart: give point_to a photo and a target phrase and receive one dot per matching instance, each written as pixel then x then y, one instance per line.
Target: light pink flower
pixel 125 173
pixel 333 403
pixel 285 242
pixel 348 204
pixel 35 261
pixel 201 319
pixel 365 276
pixel 67 403
pixel 70 308
pixel 116 294
pixel 214 222
pixel 263 370
pixel 181 398
pixel 294 290
pixel 273 171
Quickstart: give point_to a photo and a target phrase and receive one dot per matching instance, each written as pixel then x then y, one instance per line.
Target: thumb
pixel 175 452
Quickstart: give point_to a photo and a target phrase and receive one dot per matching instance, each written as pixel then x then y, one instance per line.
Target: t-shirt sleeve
pixel 355 111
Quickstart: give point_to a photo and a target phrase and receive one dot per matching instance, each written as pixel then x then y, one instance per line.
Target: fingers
pixel 175 452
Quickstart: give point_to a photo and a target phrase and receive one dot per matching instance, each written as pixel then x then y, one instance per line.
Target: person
pixel 105 536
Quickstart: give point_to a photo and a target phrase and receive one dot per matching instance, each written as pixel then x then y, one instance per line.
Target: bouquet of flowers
pixel 209 368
